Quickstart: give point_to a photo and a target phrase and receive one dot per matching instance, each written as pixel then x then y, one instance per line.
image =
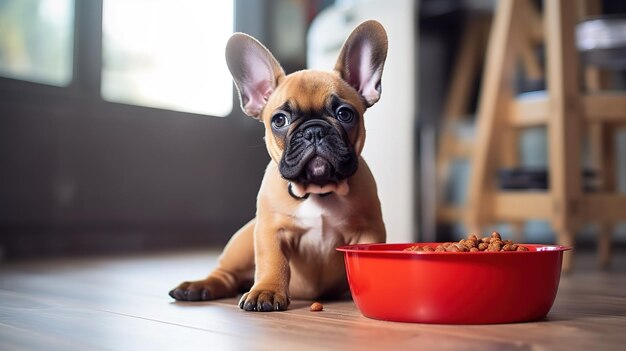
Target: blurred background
pixel 121 132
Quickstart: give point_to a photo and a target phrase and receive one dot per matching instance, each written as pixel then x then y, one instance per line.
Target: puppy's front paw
pixel 202 290
pixel 192 291
pixel 264 300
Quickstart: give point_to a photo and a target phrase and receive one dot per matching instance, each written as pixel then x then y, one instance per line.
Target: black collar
pixel 294 195
pixel 306 196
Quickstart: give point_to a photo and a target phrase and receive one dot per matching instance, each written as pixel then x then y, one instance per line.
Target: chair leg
pixel 566 238
pixel 496 94
pixel 564 124
pixel 605 234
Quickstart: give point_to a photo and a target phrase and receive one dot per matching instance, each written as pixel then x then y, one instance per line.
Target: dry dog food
pixel 316 307
pixel 493 242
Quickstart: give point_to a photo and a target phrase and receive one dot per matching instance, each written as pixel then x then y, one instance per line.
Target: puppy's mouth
pixel 318 160
pixel 319 171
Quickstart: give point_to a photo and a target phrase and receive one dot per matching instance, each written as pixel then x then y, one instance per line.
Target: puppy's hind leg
pixel 234 271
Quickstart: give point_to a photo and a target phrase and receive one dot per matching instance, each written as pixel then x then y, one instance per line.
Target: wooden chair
pixel 467 67
pixel 565 111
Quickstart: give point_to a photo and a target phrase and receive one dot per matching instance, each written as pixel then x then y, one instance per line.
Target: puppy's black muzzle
pixel 319 153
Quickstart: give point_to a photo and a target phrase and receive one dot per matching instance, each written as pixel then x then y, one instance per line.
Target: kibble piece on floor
pixel 316 307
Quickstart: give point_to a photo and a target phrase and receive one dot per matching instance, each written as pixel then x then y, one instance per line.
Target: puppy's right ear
pixel 255 71
pixel 362 59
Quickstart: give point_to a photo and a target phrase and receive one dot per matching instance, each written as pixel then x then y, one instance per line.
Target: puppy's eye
pixel 280 120
pixel 345 114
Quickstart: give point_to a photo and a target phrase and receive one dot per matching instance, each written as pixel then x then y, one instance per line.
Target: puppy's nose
pixel 315 133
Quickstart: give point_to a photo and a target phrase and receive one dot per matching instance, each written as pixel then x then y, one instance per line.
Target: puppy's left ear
pixel 255 71
pixel 362 58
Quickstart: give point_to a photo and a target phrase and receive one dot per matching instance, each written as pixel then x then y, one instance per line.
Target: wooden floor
pixel 122 304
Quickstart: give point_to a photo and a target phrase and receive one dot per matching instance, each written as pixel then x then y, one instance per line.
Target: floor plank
pixel 121 303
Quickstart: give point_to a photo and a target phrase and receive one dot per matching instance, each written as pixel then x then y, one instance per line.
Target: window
pixel 36 40
pixel 168 54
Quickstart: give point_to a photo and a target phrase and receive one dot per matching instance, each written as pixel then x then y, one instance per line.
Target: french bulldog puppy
pixel 317 192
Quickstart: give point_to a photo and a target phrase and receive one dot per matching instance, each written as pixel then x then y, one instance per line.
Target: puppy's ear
pixel 255 71
pixel 362 58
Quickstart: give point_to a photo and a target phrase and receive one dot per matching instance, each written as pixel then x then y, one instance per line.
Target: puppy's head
pixel 313 120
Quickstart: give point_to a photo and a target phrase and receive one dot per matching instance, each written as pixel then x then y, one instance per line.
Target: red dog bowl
pixel 453 287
